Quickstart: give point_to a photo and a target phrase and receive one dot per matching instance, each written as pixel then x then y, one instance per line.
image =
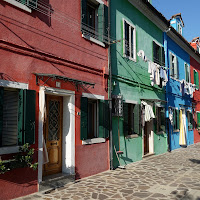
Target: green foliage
pixel 22 159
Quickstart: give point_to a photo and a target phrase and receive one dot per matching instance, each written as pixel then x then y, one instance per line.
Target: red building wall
pixel 36 43
pixel 195 65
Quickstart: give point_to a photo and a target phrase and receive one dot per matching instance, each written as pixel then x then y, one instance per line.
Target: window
pixel 131 119
pixel 94 118
pixel 174 71
pixel 176 119
pixel 158 54
pixel 129 40
pixel 179 28
pixel 187 73
pixel 161 123
pixel 196 79
pixel 24 4
pixel 17 117
pixel 190 120
pixel 95 20
pixel 117 105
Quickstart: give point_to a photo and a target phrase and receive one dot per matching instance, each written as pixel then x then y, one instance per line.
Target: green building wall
pixel 131 78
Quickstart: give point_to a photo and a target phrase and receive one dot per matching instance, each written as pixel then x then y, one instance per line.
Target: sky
pixel 189 9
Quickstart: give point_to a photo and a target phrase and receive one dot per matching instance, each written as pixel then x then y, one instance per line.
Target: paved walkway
pixel 174 175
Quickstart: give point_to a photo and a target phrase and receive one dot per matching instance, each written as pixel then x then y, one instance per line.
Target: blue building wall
pixel 173 95
pixel 174 24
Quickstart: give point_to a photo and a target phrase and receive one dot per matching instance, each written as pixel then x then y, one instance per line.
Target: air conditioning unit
pixel 117 105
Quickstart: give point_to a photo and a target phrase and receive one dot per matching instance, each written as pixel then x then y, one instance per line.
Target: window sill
pixel 130 58
pixel 132 136
pixel 9 150
pixel 93 141
pixel 93 40
pixel 19 5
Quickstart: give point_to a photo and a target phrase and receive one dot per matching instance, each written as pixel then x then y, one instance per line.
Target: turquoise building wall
pixel 131 78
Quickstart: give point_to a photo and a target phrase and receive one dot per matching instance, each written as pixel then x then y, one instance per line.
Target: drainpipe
pixel 110 91
pixel 167 89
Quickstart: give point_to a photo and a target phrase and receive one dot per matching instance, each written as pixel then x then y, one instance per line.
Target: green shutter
pixel 101 118
pixel 23 2
pixel 32 3
pixel 83 15
pixel 84 118
pixel 198 119
pixel 125 124
pixel 20 117
pixel 29 116
pixel 155 120
pixel 136 111
pixel 106 26
pixel 197 79
pixel 154 52
pixel 1 113
pixel 100 22
pixel 106 119
pixel 178 118
pixel 162 120
pixel 160 56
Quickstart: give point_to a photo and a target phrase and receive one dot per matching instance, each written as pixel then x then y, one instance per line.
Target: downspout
pixel 167 91
pixel 110 90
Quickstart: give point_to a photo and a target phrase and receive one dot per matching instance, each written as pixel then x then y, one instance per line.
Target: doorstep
pixel 148 155
pixel 54 181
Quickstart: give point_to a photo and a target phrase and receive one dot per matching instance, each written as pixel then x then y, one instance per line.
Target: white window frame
pixel 14 85
pixel 134 40
pixel 179 27
pixel 94 140
pixel 175 66
pixel 188 68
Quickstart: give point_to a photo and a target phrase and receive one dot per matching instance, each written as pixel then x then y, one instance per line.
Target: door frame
pixel 68 133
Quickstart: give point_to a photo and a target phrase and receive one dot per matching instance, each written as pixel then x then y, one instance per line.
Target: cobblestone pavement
pixel 174 175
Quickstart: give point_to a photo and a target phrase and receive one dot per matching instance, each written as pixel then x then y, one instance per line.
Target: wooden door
pixel 146 139
pixel 53 134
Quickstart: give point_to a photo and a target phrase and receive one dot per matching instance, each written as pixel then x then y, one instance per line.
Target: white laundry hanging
pixel 149 114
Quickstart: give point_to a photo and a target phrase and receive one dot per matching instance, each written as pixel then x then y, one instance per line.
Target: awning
pixel 75 82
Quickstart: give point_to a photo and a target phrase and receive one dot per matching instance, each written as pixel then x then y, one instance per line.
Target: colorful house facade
pixel 54 68
pixel 139 42
pixel 194 71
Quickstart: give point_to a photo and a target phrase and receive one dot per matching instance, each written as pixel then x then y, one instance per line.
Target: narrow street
pixel 174 175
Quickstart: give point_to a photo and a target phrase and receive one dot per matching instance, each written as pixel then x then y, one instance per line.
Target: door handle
pixel 54 143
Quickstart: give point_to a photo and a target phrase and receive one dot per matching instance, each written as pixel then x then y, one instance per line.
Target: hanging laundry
pixel 187 88
pixel 182 137
pixel 149 114
pixel 142 55
pixel 157 74
pixel 171 116
pixel 163 76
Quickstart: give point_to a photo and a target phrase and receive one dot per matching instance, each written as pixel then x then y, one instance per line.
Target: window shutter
pixel 163 56
pixel 162 120
pixel 1 114
pixel 106 24
pixel 101 118
pixel 106 119
pixel 155 120
pixel 191 120
pixel 197 79
pixel 25 2
pixel 29 116
pixel 186 72
pixel 198 119
pixel 20 117
pixel 176 72
pixel 84 118
pixel 32 3
pixel 100 22
pixel 125 124
pixel 136 111
pixel 171 68
pixel 154 52
pixel 178 119
pixel 83 15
